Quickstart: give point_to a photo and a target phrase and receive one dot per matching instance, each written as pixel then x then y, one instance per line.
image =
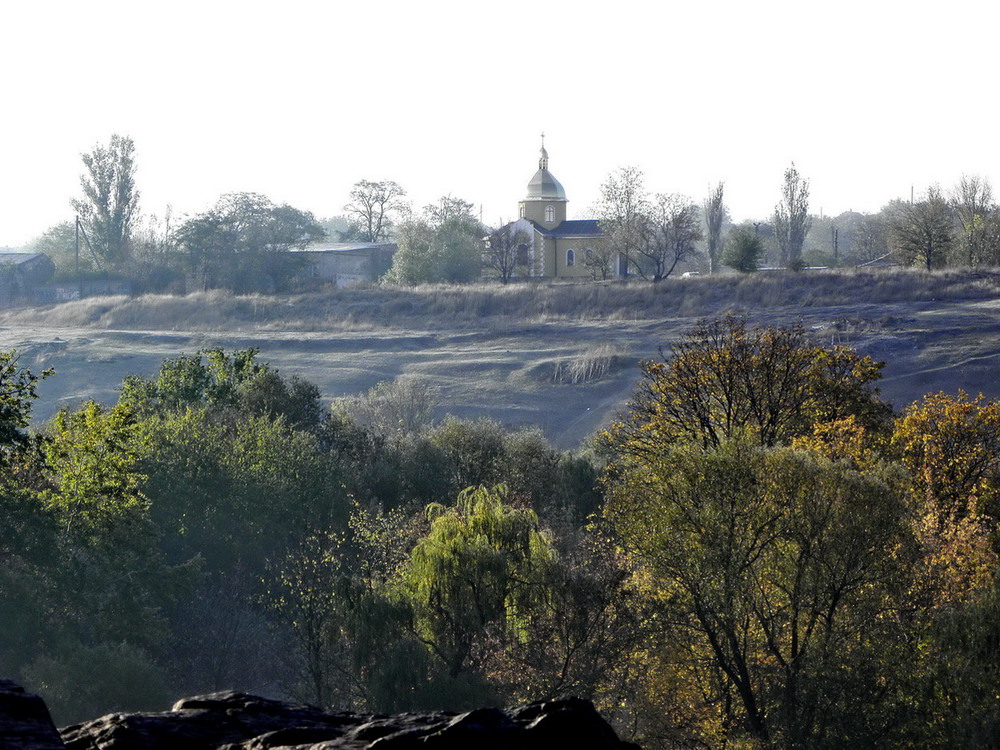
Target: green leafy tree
pixel 744 250
pixel 236 493
pixel 473 579
pixel 17 394
pixel 110 202
pixel 235 382
pixel 115 577
pixel 776 572
pixel 337 592
pixel 445 244
pixel 243 242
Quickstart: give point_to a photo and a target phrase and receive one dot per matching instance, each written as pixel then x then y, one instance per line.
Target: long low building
pixel 348 263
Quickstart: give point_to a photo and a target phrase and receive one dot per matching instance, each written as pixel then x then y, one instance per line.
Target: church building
pixel 559 248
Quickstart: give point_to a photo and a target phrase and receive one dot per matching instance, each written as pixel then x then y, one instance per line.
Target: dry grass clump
pixel 596 363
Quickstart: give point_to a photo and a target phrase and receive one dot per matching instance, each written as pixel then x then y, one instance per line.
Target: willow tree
pixel 474 578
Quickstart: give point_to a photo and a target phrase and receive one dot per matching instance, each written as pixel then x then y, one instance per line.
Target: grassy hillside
pixel 558 355
pixel 441 306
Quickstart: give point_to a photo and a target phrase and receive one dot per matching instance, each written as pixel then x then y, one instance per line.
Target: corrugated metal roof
pixel 19 258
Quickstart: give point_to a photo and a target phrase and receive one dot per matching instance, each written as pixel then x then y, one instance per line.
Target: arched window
pixel 570 257
pixel 521 210
pixel 550 214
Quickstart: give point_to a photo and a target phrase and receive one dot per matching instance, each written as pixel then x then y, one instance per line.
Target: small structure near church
pixel 347 263
pixel 559 248
pixel 21 274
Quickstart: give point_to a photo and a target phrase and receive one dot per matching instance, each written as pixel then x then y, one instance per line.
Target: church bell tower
pixel 545 203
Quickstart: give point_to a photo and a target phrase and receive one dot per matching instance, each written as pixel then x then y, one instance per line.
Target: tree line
pixel 242 242
pixel 759 552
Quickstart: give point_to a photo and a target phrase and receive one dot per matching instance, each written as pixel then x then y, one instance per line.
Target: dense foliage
pixel 760 555
pixel 242 243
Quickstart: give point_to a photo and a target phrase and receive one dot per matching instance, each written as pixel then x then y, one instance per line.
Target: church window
pixel 570 257
pixel 550 214
pixel 522 211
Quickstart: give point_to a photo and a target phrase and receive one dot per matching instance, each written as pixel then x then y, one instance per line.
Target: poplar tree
pixel 791 217
pixel 110 202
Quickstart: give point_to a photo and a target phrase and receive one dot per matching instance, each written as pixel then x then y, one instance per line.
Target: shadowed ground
pixel 507 353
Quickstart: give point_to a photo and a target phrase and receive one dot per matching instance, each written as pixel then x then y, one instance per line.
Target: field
pixel 559 356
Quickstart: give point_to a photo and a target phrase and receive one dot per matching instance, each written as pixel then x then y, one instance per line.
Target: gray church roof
pixel 575 228
pixel 544 186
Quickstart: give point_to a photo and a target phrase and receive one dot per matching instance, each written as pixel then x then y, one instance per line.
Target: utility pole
pixel 80 228
pixel 79 281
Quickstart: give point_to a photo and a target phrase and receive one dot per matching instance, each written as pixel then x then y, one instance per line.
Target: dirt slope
pixel 497 364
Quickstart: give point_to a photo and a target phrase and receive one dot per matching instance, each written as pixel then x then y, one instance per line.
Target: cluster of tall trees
pixel 760 553
pixel 960 227
pixel 651 234
pixel 241 243
pixel 810 560
pixel 444 243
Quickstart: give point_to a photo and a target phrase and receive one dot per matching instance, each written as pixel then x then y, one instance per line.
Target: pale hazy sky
pixel 298 100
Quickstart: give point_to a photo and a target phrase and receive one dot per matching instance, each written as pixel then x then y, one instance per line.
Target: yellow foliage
pixel 951 445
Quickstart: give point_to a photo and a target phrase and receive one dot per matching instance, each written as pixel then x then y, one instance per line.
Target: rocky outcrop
pixel 236 721
pixel 25 723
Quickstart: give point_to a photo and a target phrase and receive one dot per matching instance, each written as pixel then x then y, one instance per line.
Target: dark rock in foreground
pixel 25 720
pixel 236 721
